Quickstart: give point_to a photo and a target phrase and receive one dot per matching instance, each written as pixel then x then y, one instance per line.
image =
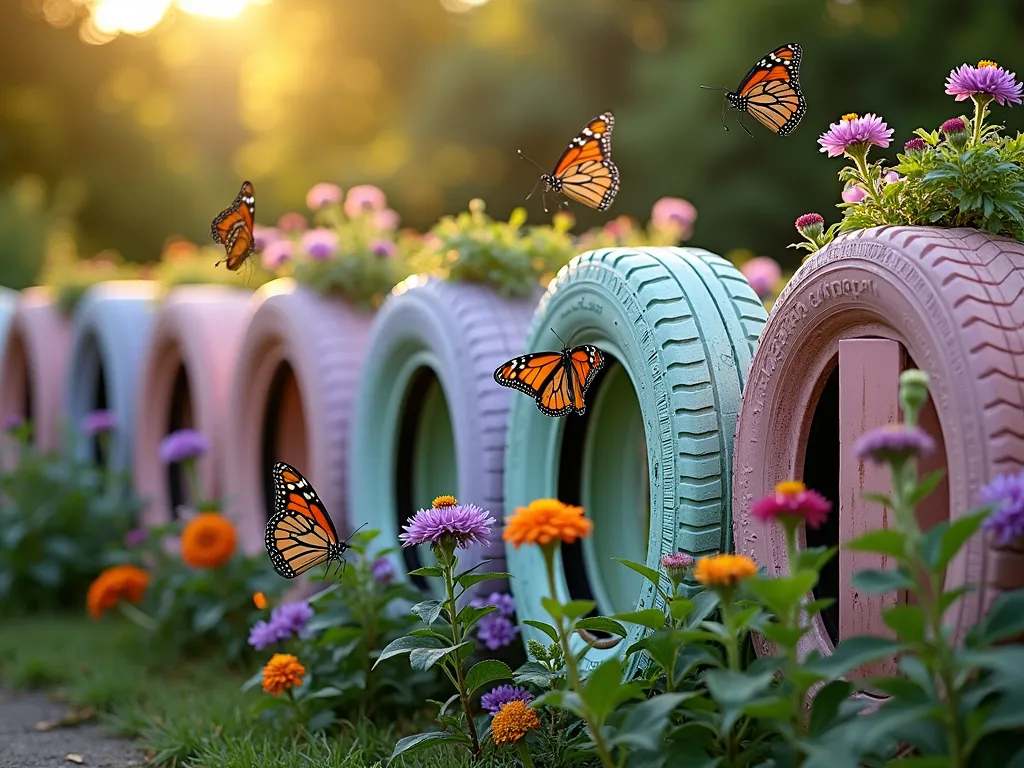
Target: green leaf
pixel 325 693
pixel 1007 715
pixel 428 610
pixel 814 607
pixel 783 593
pixel 561 700
pixel 813 558
pixel 783 636
pixel 470 615
pixel 954 535
pixel 907 621
pixel 648 573
pixel 645 723
pixel 472 579
pixel 734 689
pixel 852 653
pixel 209 617
pixel 577 609
pixel 877 498
pixel 432 571
pixel 252 682
pixel 547 629
pixel 680 608
pixel 883 541
pixel 421 741
pixel 534 673
pixel 826 703
pixel 925 486
pixel 604 690
pixel 602 624
pixel 406 644
pixel 651 618
pixel 553 607
pixel 1004 620
pixel 878 582
pixel 487 671
pixel 46 572
pixel 422 659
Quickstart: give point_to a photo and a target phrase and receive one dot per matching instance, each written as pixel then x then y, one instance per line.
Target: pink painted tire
pixel 185 382
pixel 32 365
pixel 950 302
pixel 292 399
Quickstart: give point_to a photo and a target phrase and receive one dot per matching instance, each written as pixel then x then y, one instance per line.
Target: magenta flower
pixel 99 422
pixel 465 523
pixel 264 236
pixel 1006 493
pixel 673 213
pixel 677 564
pixel 183 444
pixel 619 227
pixel 363 199
pixel 893 443
pixel 135 537
pixel 792 500
pixel 854 133
pixel 277 254
pixel 496 698
pixel 496 631
pixel 321 243
pixel 854 193
pixel 986 79
pixel 953 126
pixel 386 219
pixel 383 248
pixel 916 144
pixel 292 222
pixel 763 273
pixel 810 225
pixel 383 570
pixel 323 194
pixel 12 421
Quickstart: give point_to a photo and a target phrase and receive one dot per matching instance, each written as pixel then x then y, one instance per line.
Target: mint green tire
pixel 650 460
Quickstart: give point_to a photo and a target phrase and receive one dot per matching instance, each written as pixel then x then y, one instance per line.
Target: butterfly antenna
pixel 534 188
pixel 559 338
pixel 357 530
pixel 725 108
pixel 714 87
pixel 739 119
pixel 530 159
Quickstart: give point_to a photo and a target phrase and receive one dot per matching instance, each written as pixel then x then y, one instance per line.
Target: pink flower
pixel 854 193
pixel 855 133
pixel 892 177
pixel 953 126
pixel 673 212
pixel 362 199
pixel 793 501
pixel 916 144
pixel 292 222
pixel 383 248
pixel 264 236
pixel 277 254
pixel 810 225
pixel 386 219
pixel 677 564
pixel 323 194
pixel 763 273
pixel 320 243
pixel 986 79
pixel 619 227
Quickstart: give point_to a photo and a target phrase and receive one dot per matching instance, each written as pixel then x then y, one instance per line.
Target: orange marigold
pixel 545 521
pixel 513 721
pixel 122 582
pixel 259 600
pixel 724 570
pixel 208 541
pixel 282 672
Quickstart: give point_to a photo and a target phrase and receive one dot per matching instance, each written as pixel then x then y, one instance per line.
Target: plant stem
pixel 980 109
pixel 192 481
pixel 732 655
pixel 861 159
pixel 448 564
pixel 524 753
pixel 143 620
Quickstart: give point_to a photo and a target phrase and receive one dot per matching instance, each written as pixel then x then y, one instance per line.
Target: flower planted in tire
pixel 184 447
pixel 208 541
pixel 445 640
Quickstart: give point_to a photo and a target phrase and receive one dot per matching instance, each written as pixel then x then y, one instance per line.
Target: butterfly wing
pixel 556 397
pixel 233 227
pixel 301 534
pixel 586 361
pixel 585 170
pixel 528 373
pixel 771 91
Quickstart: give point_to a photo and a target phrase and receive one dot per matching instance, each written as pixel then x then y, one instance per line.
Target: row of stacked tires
pixel 704 408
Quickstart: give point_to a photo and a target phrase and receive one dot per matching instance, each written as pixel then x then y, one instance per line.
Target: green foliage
pixel 60 518
pixel 69 278
pixel 183 263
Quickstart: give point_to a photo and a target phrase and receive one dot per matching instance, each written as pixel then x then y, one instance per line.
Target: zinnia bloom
pixel 183 444
pixel 673 213
pixel 545 521
pixel 260 601
pixel 464 523
pixel 496 631
pixel 321 243
pixel 363 199
pixel 99 422
pixel 277 254
pixel 856 134
pixel 677 564
pixel 498 697
pixel 724 570
pixel 383 570
pixel 122 582
pixel 1006 522
pixel 763 273
pixel 810 225
pixel 512 722
pixel 208 541
pixel 282 672
pixel 793 500
pixel 893 443
pixel 323 194
pixel 986 79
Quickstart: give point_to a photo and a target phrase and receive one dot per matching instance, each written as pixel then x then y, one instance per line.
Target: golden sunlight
pixel 134 17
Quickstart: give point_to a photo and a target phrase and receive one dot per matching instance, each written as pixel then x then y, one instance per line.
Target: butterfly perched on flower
pixel 585 171
pixel 557 381
pixel 300 534
pixel 233 228
pixel 770 91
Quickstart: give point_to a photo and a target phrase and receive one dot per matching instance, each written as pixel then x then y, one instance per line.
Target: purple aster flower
pixel 503 601
pixel 674 213
pixel 264 236
pixel 677 564
pixel 466 523
pixel 986 79
pixel 810 225
pixel 183 444
pixel 855 133
pixel 496 631
pixel 277 254
pixel 916 144
pixel 854 193
pixel 894 443
pixel 290 619
pixel 1006 493
pixel 383 570
pixel 13 421
pixel 135 537
pixel 99 422
pixel 763 274
pixel 386 219
pixel 262 634
pixel 496 698
pixel 383 248
pixel 363 199
pixel 292 222
pixel 323 194
pixel 320 243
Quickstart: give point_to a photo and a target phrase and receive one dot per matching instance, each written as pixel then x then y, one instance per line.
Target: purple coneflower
pixel 854 135
pixel 986 81
pixel 323 194
pixel 320 243
pixel 363 199
pixel 183 444
pixel 763 273
pixel 99 422
pixel 464 524
pixel 498 697
pixel 893 443
pixel 1006 522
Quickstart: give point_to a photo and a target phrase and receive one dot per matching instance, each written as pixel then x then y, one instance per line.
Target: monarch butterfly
pixel 558 381
pixel 233 228
pixel 770 91
pixel 300 535
pixel 585 171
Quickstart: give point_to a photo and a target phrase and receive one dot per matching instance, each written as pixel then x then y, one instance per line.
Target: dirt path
pixel 22 745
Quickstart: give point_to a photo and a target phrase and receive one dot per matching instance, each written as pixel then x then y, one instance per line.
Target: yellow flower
pixel 850 116
pixel 724 570
pixel 512 722
pixel 259 600
pixel 208 541
pixel 444 501
pixel 122 582
pixel 986 63
pixel 545 521
pixel 790 488
pixel 282 672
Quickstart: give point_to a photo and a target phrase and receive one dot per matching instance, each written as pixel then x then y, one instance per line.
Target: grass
pixel 186 713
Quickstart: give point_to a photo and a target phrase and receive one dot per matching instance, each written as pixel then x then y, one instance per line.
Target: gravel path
pixel 22 745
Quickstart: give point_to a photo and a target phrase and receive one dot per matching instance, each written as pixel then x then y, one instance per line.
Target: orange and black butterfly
pixel 770 91
pixel 300 534
pixel 558 381
pixel 585 171
pixel 233 228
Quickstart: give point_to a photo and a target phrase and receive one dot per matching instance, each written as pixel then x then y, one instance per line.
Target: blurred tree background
pixel 127 122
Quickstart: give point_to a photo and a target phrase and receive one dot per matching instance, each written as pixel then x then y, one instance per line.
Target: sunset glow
pixel 112 17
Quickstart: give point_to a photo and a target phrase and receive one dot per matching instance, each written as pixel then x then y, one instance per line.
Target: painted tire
pixel 430 420
pixel 680 324
pixel 109 338
pixel 292 398
pixel 185 382
pixel 950 302
pixel 33 363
